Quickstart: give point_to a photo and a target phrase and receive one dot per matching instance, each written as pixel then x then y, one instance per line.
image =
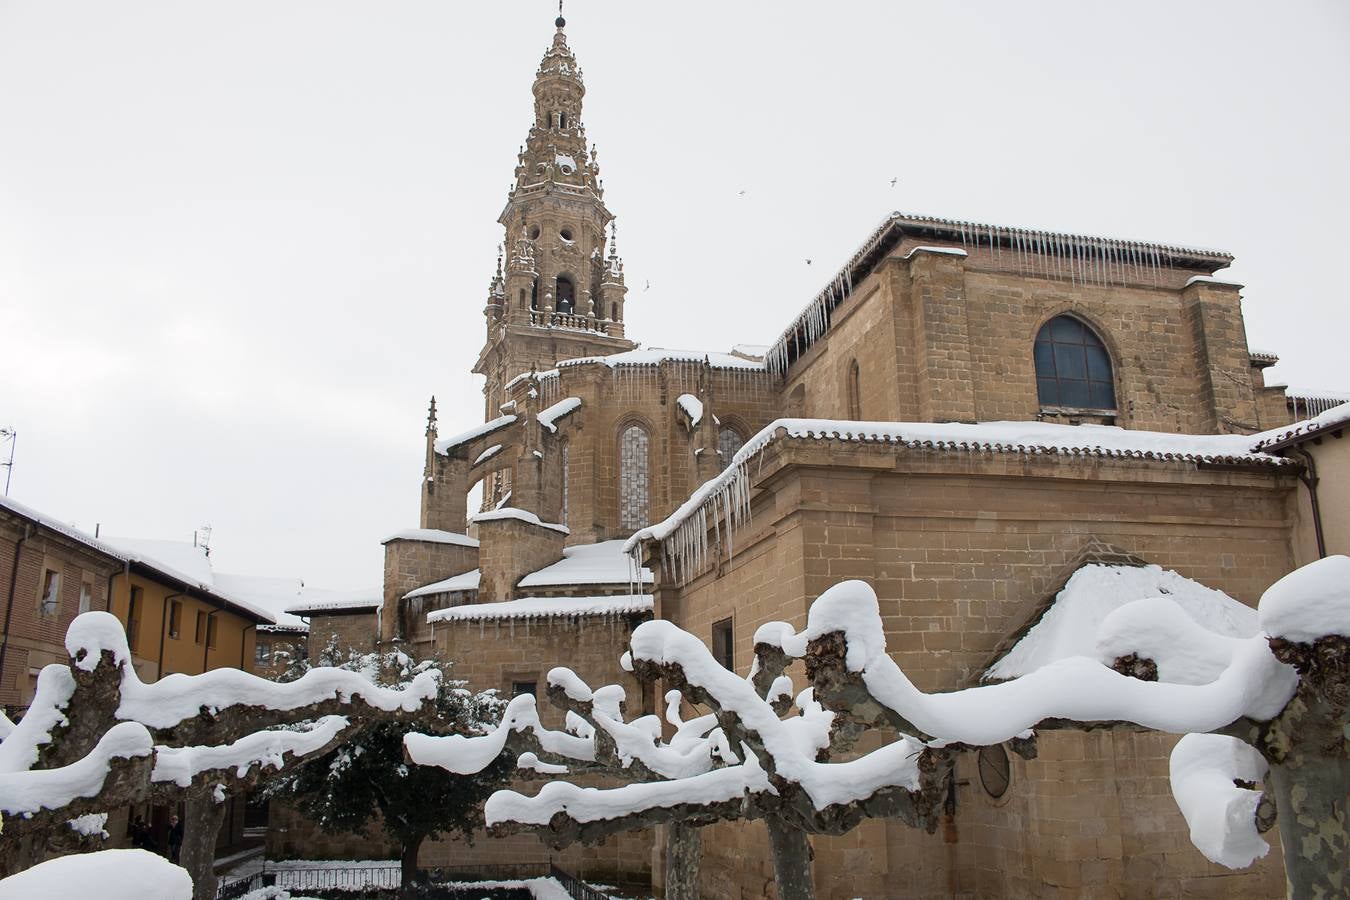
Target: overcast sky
pixel 242 243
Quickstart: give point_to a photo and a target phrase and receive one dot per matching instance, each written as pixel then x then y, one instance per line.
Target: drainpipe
pixel 206 638
pixel 243 644
pixel 1310 479
pixel 126 570
pixel 28 532
pixel 163 629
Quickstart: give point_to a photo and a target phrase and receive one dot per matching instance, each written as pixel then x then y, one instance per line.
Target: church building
pixel 965 417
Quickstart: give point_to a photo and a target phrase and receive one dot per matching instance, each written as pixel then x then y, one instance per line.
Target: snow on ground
pixel 1069 627
pixel 105 875
pixel 600 563
pixel 545 607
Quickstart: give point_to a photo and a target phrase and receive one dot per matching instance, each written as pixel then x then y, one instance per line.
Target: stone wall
pixel 357 631
pixel 962 549
pixel 410 564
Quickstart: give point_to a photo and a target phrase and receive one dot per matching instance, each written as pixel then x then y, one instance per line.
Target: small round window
pixel 566 234
pixel 534 233
pixel 995 770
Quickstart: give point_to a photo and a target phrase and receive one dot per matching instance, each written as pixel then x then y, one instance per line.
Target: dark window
pixel 135 607
pixel 854 392
pixel 262 652
pixel 86 597
pixel 722 644
pixel 51 592
pixel 175 617
pixel 200 634
pixel 614 312
pixel 524 687
pixel 211 632
pixel 1073 368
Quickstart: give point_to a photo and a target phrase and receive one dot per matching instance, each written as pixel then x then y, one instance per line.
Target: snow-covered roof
pixel 445 445
pixel 272 594
pixel 1285 435
pixel 601 563
pixel 1263 357
pixel 545 608
pixel 432 536
pixel 729 491
pixel 186 558
pixel 522 515
pixel 565 407
pixel 467 581
pixel 655 356
pixel 1097 260
pixel 1070 624
pixel 318 601
pixel 70 531
pixel 755 352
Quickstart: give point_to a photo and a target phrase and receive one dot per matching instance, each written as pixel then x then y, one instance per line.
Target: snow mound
pixel 107 875
pixel 1070 626
pixel 1310 602
pixel 1221 815
pixel 93 632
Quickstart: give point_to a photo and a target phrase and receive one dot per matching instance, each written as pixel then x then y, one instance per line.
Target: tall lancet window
pixel 567 295
pixel 634 480
pixel 854 392
pixel 566 453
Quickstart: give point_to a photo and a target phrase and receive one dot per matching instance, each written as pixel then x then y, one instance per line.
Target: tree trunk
pixel 684 852
pixel 1311 801
pixel 202 818
pixel 791 861
pixel 408 861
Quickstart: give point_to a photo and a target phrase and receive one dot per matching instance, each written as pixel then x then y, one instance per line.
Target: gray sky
pixel 242 243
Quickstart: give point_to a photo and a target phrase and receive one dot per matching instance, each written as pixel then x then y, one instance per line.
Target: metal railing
pixel 386 880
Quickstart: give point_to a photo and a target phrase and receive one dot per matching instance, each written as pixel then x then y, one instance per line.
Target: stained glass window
pixel 634 478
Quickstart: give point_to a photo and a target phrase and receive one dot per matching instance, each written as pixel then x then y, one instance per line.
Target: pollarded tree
pixel 366 778
pixel 747 759
pixel 96 738
pixel 1271 708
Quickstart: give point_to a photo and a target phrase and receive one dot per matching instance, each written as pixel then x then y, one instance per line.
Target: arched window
pixel 1073 368
pixel 729 440
pixel 634 506
pixel 614 312
pixel 566 294
pixel 854 392
pixel 534 294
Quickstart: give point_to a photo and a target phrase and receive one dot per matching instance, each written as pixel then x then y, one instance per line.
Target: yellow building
pixel 177 619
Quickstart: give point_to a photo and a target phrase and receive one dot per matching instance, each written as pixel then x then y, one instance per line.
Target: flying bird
pixel 894 180
pixel 646 287
pixel 741 194
pixel 808 262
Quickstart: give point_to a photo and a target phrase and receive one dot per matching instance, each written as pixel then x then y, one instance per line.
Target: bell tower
pixel 560 293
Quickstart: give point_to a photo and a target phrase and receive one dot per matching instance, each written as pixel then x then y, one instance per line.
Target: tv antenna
pixel 8 435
